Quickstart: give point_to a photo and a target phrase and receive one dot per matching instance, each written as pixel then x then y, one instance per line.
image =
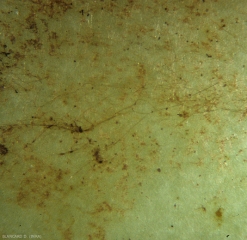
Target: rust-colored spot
pixel 68 234
pixel 97 232
pixel 219 213
pixel 39 183
pixel 104 207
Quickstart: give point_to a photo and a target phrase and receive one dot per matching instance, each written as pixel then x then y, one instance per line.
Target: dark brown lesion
pixel 97 156
pixel 219 213
pixel 184 114
pixel 3 150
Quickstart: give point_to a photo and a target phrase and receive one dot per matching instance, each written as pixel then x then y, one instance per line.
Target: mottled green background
pixel 123 119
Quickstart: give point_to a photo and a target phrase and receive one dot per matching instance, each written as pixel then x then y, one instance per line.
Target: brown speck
pixel 203 209
pixel 184 114
pixel 222 26
pixel 2 87
pixel 59 175
pixel 158 169
pixel 125 167
pixel 219 213
pixel 3 150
